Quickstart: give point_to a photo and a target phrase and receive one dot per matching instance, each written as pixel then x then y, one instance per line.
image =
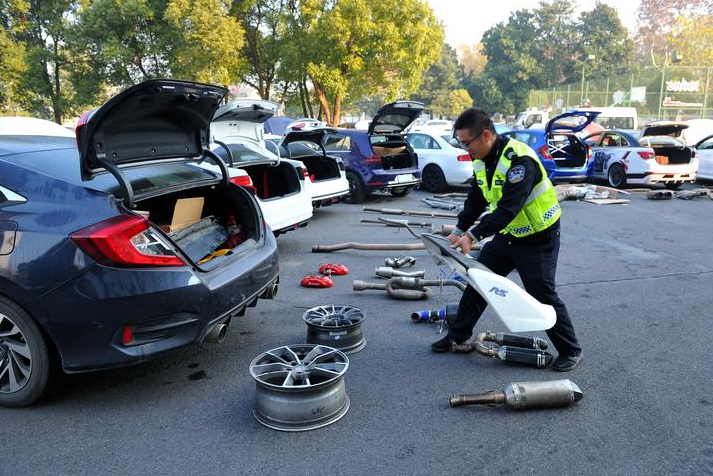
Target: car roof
pixel 31 126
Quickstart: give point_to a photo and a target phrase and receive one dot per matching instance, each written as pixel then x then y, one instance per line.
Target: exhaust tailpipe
pixel 216 334
pixel 270 292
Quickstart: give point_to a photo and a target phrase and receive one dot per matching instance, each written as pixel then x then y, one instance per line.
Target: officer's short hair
pixel 475 120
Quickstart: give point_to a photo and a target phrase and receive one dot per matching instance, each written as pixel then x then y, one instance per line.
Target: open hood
pixel 395 117
pixel 160 119
pixel 519 311
pixel 663 128
pixel 572 121
pixel 315 134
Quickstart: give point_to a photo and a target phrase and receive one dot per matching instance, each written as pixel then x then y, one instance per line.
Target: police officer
pixel 524 217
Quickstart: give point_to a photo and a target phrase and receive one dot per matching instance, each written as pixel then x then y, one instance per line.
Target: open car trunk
pixel 272 181
pixel 666 155
pixel 320 168
pixel 393 151
pixel 566 150
pixel 210 225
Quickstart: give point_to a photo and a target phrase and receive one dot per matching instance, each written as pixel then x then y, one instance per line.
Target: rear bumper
pixel 655 177
pixel 382 180
pixel 168 308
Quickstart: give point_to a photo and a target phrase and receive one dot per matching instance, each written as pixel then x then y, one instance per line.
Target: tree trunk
pixel 337 110
pixel 323 102
pixel 302 99
pixel 308 100
pixel 56 104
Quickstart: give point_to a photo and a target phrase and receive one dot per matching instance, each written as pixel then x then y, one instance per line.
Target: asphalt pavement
pixel 638 282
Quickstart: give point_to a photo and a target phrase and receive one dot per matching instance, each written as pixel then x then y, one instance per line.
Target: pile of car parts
pixel 336 326
pixel 526 395
pixel 508 348
pixel 300 387
pixel 400 262
pixel 416 213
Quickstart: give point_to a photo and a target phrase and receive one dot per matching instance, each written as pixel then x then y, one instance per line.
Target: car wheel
pixel 401 191
pixel 433 180
pixel 356 188
pixel 616 176
pixel 25 363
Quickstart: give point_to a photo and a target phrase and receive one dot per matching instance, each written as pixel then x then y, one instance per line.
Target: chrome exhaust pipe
pixel 216 334
pixel 270 292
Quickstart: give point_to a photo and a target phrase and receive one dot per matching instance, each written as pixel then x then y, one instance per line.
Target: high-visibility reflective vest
pixel 541 208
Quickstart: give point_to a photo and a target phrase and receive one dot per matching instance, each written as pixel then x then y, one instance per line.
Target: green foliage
pixel 12 69
pixel 604 37
pixel 451 103
pixel 439 81
pixel 692 40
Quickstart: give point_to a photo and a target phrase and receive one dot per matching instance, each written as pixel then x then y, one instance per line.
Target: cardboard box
pixel 378 150
pixel 186 212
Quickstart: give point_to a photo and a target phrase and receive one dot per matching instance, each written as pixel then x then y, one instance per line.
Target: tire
pixel 356 188
pixel 24 353
pixel 616 176
pixel 401 191
pixel 433 180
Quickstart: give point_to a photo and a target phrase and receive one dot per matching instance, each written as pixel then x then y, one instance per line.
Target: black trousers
pixel 537 265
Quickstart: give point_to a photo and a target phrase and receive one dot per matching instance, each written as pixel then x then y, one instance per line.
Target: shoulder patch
pixel 516 174
pixel 510 154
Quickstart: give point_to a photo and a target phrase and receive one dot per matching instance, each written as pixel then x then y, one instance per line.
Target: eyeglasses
pixel 466 144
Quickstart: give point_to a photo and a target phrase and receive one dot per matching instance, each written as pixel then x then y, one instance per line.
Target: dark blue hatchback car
pixel 125 249
pixel 380 158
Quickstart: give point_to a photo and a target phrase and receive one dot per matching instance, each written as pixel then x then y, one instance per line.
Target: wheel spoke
pixel 289 380
pixel 316 359
pixel 323 371
pixel 18 348
pixel 11 332
pixel 294 355
pixel 22 367
pixel 277 357
pixel 314 354
pixel 14 385
pixel 274 367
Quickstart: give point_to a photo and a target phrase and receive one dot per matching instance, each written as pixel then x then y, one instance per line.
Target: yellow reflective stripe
pixel 502 168
pixel 538 190
pixel 478 166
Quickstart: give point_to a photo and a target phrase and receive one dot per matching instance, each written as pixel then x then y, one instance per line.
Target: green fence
pixel 669 92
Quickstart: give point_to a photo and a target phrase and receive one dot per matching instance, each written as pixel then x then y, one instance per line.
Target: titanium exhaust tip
pixel 216 334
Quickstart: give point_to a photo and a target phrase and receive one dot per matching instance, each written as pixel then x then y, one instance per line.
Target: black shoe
pixel 443 345
pixel 565 363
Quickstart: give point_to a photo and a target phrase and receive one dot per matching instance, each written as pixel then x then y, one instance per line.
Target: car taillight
pixel 305 172
pixel 244 181
pixel 464 158
pixel 373 159
pixel 589 152
pixel 646 154
pixel 545 152
pixel 81 124
pixel 125 240
pixel 127 335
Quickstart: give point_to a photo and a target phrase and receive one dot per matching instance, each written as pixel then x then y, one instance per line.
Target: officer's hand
pixel 453 238
pixel 464 243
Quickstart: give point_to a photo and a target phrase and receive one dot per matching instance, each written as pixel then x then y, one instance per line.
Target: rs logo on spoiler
pixel 498 291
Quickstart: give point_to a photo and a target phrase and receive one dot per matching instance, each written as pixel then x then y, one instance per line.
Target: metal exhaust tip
pixel 217 334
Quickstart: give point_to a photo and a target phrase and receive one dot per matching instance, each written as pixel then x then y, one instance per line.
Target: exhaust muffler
pixel 526 395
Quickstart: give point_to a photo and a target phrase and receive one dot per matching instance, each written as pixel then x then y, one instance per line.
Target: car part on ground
pixel 508 348
pixel 332 268
pixel 444 204
pixel 444 230
pixel 388 272
pixel 300 387
pixel 400 262
pixel 434 315
pixel 416 213
pixel 314 281
pixel 691 194
pixel 336 326
pixel 526 395
pixel 409 289
pixel 367 247
pixel 519 311
pixel 451 195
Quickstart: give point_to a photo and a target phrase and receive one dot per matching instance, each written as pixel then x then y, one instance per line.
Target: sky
pixel 465 21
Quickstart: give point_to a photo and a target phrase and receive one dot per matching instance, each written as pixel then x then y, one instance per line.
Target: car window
pixel 615 122
pixel 592 140
pixel 240 153
pixel 707 145
pixel 337 142
pixel 422 141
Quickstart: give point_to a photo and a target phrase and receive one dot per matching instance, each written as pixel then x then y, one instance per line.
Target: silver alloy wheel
pixel 15 357
pixel 336 326
pixel 300 387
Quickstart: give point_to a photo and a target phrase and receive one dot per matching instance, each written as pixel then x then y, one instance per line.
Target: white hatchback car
pixel 658 156
pixel 24 126
pixel 705 158
pixel 279 185
pixel 441 163
pixel 326 177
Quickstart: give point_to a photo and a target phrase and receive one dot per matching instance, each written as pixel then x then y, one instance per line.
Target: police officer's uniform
pixel 524 218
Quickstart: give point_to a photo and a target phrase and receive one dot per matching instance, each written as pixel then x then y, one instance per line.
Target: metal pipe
pixel 445 205
pixel 421 224
pixel 443 230
pixel 367 247
pixel 514 340
pixel 451 195
pixel 400 262
pixel 417 213
pixel 526 395
pixel 388 272
pixel 408 288
pixel 522 350
pixel 433 315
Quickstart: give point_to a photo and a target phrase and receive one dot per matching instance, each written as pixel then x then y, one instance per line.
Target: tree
pixel 657 19
pixel 439 81
pixel 472 59
pixel 604 37
pixel 12 65
pixel 692 39
pixel 450 103
pixel 366 47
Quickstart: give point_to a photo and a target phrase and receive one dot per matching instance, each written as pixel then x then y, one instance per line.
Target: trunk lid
pixel 313 136
pixel 663 128
pixel 574 121
pixel 395 117
pixel 157 121
pixel 242 118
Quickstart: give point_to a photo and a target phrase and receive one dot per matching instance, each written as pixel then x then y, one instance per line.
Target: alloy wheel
pixel 15 357
pixel 336 326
